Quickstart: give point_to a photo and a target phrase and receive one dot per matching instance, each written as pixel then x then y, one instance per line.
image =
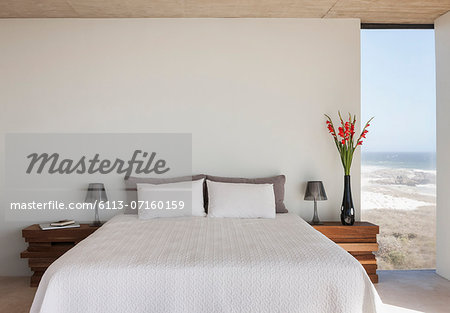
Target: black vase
pixel 347 209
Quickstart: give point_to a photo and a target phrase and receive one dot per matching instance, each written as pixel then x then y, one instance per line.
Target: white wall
pixel 251 91
pixel 442 31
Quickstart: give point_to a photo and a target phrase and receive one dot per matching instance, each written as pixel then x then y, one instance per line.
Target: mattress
pixel 201 264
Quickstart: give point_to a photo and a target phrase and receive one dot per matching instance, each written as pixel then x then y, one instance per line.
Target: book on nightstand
pixel 63 223
pixel 49 226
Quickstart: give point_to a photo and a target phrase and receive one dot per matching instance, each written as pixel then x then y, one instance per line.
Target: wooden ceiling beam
pixel 369 11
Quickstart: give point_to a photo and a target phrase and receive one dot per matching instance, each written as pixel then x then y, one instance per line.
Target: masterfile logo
pixel 140 163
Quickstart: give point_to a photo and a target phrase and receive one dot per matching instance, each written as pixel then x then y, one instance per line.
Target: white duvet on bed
pixel 198 264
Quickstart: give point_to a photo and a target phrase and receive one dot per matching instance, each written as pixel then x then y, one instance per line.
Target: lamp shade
pixel 315 191
pixel 96 192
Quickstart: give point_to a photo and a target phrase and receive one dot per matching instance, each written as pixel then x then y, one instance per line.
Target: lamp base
pixel 96 224
pixel 315 220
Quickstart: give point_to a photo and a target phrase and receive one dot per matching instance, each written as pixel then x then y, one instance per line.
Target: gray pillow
pixel 277 181
pixel 131 188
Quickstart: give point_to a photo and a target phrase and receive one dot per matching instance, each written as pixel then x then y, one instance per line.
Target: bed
pixel 201 264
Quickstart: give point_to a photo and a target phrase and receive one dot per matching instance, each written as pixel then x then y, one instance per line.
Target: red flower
pixel 348 130
pixel 346 142
pixel 331 128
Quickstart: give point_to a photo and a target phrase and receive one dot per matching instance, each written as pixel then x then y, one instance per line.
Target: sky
pixel 398 89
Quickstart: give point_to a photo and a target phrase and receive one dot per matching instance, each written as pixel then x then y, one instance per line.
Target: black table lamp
pixel 95 194
pixel 315 192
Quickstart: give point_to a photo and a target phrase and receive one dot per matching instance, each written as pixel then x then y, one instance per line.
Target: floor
pixel 401 291
pixel 414 291
pixel 15 294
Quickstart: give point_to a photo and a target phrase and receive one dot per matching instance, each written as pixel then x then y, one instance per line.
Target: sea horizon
pixel 407 160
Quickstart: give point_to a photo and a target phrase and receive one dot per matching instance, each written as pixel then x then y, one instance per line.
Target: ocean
pixel 409 160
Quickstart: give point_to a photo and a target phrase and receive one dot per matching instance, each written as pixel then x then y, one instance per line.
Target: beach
pixel 402 201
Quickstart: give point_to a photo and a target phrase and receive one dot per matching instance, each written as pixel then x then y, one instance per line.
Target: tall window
pixel 398 159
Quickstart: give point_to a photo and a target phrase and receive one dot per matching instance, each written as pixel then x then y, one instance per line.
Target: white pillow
pixel 240 200
pixel 167 200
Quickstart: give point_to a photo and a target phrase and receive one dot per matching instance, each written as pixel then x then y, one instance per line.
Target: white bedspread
pixel 199 264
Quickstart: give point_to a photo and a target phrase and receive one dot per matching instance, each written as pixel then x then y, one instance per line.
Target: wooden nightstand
pixel 360 240
pixel 45 246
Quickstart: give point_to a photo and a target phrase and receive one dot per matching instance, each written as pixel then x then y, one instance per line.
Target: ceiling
pixel 369 11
